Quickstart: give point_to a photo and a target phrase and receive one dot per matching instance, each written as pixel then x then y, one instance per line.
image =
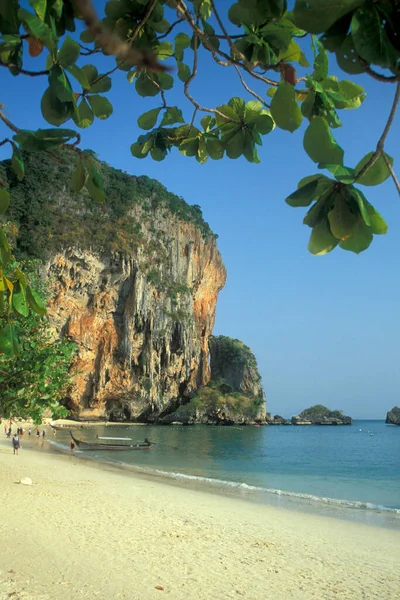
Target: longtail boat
pixel 110 446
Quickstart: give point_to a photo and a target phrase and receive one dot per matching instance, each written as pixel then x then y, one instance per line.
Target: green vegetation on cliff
pixel 319 412
pixel 232 351
pixel 49 216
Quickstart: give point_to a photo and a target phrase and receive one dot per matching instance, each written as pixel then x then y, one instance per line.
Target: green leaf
pixel 8 341
pixel 376 174
pixel 359 197
pixel 319 210
pixel 53 110
pixel 79 76
pixel 149 119
pixel 320 145
pixel 360 238
pixel 307 107
pixel 165 80
pixel 352 93
pixel 39 6
pixel 101 106
pixel 183 71
pixel 320 62
pixel 172 115
pixel 19 300
pixel 101 85
pixel 79 176
pixel 207 122
pixel 343 174
pixel 215 148
pixel 284 108
pixel 202 8
pixel 370 38
pixel 342 220
pixel 35 301
pixel 145 85
pixel 293 53
pixel 348 59
pixel 182 41
pixel 324 184
pixel 69 52
pixel 304 195
pixel 4 201
pixel 43 139
pixel 378 223
pixel 17 162
pixel 137 150
pixel 60 85
pixel 235 145
pixel 94 186
pixel 83 116
pixel 37 28
pixel 321 240
pixel 316 16
pixel 91 73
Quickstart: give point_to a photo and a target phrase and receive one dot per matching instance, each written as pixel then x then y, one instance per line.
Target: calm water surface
pixel 336 463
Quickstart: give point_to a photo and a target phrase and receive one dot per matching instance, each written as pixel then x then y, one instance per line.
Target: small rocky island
pixel 320 415
pixel 393 416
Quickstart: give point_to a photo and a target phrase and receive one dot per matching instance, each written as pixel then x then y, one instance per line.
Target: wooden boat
pixel 110 446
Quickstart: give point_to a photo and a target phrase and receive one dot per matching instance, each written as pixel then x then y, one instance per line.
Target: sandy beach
pixel 86 532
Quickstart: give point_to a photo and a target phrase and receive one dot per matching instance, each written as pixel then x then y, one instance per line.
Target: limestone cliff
pixel 134 284
pixel 393 416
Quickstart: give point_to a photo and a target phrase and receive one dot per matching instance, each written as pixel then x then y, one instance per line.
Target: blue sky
pixel 324 329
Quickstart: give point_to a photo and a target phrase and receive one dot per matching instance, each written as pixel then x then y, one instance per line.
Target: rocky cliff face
pixel 141 345
pixel 134 284
pixel 393 416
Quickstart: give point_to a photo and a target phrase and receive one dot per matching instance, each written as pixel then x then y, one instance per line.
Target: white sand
pixel 83 532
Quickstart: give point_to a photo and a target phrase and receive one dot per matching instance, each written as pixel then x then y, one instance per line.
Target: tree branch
pixel 392 173
pixel 382 139
pixel 378 76
pixel 24 71
pixel 213 111
pixel 182 8
pixel 164 35
pixel 13 128
pixel 249 90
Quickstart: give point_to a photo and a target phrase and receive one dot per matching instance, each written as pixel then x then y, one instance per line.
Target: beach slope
pixel 84 532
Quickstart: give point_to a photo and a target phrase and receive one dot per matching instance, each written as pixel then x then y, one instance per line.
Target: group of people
pixel 20 431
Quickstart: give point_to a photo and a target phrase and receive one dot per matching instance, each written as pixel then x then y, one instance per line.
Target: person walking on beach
pixel 9 432
pixel 43 434
pixel 72 447
pixel 15 443
pixel 37 434
pixel 29 431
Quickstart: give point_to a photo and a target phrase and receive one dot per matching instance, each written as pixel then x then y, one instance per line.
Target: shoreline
pixel 302 503
pixel 84 532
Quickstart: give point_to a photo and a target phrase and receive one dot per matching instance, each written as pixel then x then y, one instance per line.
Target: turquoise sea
pixel 351 468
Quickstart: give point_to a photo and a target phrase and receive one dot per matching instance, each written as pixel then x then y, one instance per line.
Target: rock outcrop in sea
pixel 320 415
pixel 393 416
pixel 134 282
